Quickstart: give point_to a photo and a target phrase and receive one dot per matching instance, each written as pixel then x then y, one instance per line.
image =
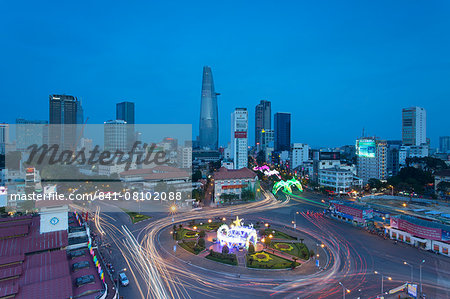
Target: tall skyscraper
pixel 372 160
pixel 115 135
pixel 125 111
pixel 239 138
pixel 414 126
pixel 209 122
pixel 263 115
pixel 65 114
pixel 282 131
pixel 444 144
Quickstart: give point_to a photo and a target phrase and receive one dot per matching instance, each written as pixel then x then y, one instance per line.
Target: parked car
pixel 123 279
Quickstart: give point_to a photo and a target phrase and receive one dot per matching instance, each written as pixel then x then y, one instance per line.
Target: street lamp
pixel 295 220
pixel 420 269
pixel 382 280
pixel 344 290
pixel 412 270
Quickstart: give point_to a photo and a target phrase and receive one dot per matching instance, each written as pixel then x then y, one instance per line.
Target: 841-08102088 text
pixel 138 196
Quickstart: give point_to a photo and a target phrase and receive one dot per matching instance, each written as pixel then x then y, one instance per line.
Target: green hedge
pixel 226 258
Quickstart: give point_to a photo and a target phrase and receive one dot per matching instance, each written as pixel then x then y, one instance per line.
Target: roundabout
pixel 172 271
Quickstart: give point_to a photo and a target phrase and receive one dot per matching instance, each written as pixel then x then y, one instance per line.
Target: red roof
pixel 8 288
pixel 233 174
pixel 56 288
pixel 14 231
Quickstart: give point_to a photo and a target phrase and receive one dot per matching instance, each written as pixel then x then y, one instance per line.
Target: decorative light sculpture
pixel 287 186
pixel 266 170
pixel 237 235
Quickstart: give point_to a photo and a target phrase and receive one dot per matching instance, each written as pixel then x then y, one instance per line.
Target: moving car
pixel 123 279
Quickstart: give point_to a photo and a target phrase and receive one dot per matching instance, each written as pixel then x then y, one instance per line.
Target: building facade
pixel 65 113
pixel 234 181
pixel 414 126
pixel 30 132
pixel 300 154
pixel 371 159
pixel 115 135
pixel 282 131
pixel 338 180
pixel 444 144
pixel 239 137
pixel 263 120
pixel 209 121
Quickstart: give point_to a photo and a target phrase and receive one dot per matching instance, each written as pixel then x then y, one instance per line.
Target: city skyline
pixel 333 87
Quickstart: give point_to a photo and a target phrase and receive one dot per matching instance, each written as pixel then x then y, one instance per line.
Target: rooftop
pixel 34 265
pixel 232 174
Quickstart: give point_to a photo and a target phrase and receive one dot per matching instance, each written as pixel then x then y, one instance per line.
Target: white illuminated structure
pixel 237 235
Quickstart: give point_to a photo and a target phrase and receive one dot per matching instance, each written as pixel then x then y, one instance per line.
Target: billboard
pixel 365 148
pixel 417 230
pixel 240 134
pixel 329 156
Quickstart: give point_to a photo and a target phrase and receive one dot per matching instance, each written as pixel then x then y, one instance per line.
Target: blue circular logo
pixel 54 221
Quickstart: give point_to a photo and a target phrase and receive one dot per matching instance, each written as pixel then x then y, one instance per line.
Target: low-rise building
pixel 351 212
pixel 338 180
pixel 234 181
pixel 426 234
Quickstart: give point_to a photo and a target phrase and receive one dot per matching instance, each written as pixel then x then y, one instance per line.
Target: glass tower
pixel 209 122
pixel 282 131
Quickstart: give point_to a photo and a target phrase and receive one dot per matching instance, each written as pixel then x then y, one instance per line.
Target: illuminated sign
pixel 237 235
pixel 239 134
pixel 366 148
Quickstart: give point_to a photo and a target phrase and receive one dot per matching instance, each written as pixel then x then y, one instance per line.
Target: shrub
pixel 225 249
pixel 201 242
pixel 251 249
pixel 202 234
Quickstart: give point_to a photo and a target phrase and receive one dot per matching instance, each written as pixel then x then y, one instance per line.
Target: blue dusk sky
pixel 337 66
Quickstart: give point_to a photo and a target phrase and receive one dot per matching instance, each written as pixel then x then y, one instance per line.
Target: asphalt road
pixel 359 254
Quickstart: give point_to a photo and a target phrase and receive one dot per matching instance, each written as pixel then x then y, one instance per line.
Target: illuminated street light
pixel 223 219
pixel 382 280
pixel 266 225
pixel 209 220
pixel 194 227
pixel 412 270
pixel 344 290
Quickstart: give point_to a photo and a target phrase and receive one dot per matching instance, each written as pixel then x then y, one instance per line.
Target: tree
pixel 251 249
pixel 247 194
pixel 201 242
pixel 375 183
pixel 197 175
pixel 311 252
pixel 202 234
pixel 225 249
pixel 261 158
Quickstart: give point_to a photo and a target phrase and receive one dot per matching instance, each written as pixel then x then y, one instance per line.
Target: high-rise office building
pixel 282 131
pixel 263 115
pixel 125 112
pixel 29 132
pixel 371 158
pixel 115 135
pixel 4 137
pixel 393 156
pixel 209 121
pixel 239 138
pixel 65 113
pixel 414 126
pixel 444 144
